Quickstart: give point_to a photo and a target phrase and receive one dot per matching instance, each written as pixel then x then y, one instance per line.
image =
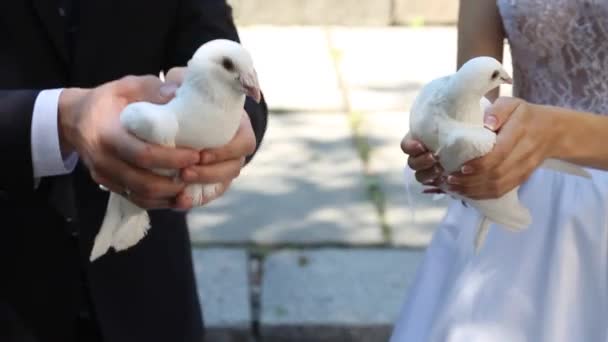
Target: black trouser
pixel 87 330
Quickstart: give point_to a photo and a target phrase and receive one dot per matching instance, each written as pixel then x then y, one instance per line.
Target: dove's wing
pixel 427 112
pixel 485 104
pixel 506 210
pixel 460 143
pixel 150 122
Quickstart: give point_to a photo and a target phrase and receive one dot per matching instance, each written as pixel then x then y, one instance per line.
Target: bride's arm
pixel 528 134
pixel 480 33
pixel 581 137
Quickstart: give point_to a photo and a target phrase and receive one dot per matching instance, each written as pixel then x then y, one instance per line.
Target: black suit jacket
pixel 147 293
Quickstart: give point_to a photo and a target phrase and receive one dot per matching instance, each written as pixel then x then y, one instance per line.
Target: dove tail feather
pixel 506 211
pixel 123 226
pixel 111 220
pixel 482 233
pixel 565 167
pixel 103 242
pixel 131 231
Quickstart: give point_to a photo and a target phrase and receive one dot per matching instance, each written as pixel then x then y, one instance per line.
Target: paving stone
pixel 384 68
pixel 223 285
pixel 295 67
pixel 414 221
pixel 305 186
pixel 315 12
pixel 427 11
pixel 334 295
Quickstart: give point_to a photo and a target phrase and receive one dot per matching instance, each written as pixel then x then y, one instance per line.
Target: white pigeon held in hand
pixel 448 118
pixel 205 113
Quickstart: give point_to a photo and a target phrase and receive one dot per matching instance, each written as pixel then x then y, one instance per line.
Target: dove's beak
pixel 507 80
pixel 251 86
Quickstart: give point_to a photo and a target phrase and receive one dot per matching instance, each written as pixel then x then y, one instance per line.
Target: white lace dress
pixel 550 282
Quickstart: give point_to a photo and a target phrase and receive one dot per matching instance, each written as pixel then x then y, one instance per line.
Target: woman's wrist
pixel 555 122
pixel 569 130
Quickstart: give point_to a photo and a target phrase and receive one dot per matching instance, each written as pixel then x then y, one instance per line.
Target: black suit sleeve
pixel 16 171
pixel 197 22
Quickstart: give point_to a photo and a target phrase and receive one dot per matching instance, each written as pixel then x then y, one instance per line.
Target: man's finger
pixel 183 202
pixel 146 184
pixel 142 202
pixel 148 156
pixel 147 203
pixel 176 75
pixel 143 183
pixel 214 173
pixel 108 182
pixel 141 88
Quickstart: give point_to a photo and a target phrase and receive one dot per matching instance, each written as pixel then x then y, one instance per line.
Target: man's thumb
pixel 146 88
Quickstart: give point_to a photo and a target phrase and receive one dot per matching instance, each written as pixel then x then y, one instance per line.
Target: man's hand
pixel 220 165
pixel 89 124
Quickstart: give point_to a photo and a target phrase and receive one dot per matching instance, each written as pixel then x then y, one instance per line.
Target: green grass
pixel 373 182
pixel 417 22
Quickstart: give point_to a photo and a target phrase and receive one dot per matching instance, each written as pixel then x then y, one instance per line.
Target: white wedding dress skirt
pixel 547 283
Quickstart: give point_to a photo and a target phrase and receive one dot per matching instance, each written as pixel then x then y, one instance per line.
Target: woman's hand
pixel 527 136
pixel 428 170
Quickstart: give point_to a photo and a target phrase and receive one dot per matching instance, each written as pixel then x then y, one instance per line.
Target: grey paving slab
pixel 312 12
pixel 412 216
pixel 222 277
pixel 383 68
pixel 295 67
pixel 305 186
pixel 334 295
pixel 427 11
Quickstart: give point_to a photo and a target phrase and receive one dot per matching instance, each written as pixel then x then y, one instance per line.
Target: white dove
pixel 447 116
pixel 205 113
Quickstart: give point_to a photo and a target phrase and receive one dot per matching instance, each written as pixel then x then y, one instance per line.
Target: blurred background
pixel 319 238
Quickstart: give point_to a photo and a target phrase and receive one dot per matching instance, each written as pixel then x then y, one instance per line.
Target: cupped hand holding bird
pixel 526 137
pixel 205 114
pixel 89 125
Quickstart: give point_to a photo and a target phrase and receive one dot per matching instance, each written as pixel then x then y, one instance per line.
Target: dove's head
pixel 483 74
pixel 229 64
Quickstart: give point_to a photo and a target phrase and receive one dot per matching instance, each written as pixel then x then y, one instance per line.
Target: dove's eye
pixel 495 74
pixel 227 64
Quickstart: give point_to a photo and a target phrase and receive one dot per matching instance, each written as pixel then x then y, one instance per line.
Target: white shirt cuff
pixel 46 152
